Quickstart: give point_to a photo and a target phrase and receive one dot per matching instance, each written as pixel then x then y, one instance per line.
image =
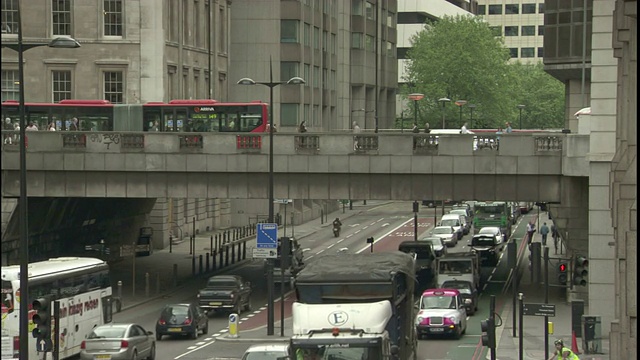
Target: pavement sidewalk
pixel 161 264
pixel 533 329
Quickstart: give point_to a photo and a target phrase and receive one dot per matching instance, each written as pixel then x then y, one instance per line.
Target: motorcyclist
pixel 337 223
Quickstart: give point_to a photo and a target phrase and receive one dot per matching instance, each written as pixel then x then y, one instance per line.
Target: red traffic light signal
pixel 562 273
pixel 562 267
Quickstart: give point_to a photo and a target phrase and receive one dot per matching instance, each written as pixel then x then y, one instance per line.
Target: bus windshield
pixel 490 210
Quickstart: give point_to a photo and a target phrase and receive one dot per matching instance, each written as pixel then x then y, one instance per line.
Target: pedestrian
pixel 415 128
pixel 356 130
pixel 154 126
pixel 7 125
pixel 463 129
pixel 508 128
pixel 31 127
pixel 16 136
pixel 563 352
pixel 302 128
pixel 530 230
pixel 554 235
pixel 52 127
pixel 74 125
pixel 274 129
pixel 544 230
pixel 427 129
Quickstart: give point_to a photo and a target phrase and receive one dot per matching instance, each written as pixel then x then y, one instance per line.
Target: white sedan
pixel 493 230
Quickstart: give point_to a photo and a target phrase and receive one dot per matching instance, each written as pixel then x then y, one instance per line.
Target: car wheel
pixel 238 309
pixel 135 355
pixel 206 328
pixel 152 353
pixel 194 334
pixel 248 306
pixel 458 334
pixel 158 336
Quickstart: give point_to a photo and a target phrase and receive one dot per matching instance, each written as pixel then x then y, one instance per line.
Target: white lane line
pixel 320 251
pixel 350 235
pixel 368 247
pixel 364 227
pixel 339 241
pixel 330 246
pixel 357 231
pixel 200 343
pixel 490 276
pixel 484 287
pixel 494 271
pixel 193 350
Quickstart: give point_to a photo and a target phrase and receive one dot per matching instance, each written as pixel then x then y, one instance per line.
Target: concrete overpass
pixel 527 167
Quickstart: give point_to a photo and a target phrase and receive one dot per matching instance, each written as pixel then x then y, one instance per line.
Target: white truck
pixel 342 331
pixel 458 266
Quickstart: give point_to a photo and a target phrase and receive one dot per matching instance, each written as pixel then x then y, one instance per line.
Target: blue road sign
pixel 267 236
pixel 232 318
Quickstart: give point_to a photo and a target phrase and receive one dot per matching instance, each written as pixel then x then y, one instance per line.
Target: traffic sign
pixel 282 201
pixel 44 345
pixel 539 309
pixel 127 250
pixel 267 236
pixel 265 253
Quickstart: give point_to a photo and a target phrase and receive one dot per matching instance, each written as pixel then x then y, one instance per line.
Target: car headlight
pixel 419 319
pixel 453 319
pixel 467 301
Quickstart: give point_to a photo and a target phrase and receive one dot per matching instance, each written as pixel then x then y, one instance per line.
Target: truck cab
pixel 459 266
pixel 441 312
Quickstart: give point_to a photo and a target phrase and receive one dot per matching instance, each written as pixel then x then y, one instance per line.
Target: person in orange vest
pixel 563 352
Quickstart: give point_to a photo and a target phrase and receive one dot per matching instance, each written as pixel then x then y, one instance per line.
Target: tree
pixel 461 58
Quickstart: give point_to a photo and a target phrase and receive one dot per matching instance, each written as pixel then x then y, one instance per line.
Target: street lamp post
pixel 520 107
pixel 460 104
pixel 444 101
pixel 415 97
pixel 20 47
pixel 471 108
pixel 271 84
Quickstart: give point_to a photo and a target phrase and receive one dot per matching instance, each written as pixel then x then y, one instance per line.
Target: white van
pixel 454 221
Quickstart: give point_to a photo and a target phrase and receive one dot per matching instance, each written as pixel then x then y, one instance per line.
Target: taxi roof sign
pixel 441 292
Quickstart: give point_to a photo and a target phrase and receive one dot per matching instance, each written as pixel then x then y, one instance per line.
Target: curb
pixel 267 338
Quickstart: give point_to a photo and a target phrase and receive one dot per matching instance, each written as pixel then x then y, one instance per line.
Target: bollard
pixel 120 289
pixel 207 263
pixel 244 250
pixel 211 244
pixel 239 252
pixel 213 260
pixel 226 256
pixel 193 266
pixel 321 216
pixel 200 264
pixel 175 275
pixel 157 283
pixel 220 263
pixel 233 325
pixel 146 284
pixel 233 253
pixel 224 237
pixel 170 244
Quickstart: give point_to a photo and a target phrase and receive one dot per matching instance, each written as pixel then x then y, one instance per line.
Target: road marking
pixel 320 251
pixel 363 228
pixel 383 236
pixel 193 350
pixel 354 225
pixel 357 231
pixel 385 224
pixel 489 278
pixel 339 241
pixel 484 287
pixel 330 246
pixel 494 271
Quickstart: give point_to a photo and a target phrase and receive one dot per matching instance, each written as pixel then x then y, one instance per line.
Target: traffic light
pixel 535 264
pixel 562 273
pixel 580 271
pixel 488 333
pixel 42 320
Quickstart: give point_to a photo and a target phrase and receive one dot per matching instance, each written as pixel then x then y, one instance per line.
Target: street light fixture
pixel 20 47
pixel 520 107
pixel 415 97
pixel 271 84
pixel 461 103
pixel 471 108
pixel 444 101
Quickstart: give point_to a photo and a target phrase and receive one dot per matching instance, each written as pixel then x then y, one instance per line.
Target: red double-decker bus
pixel 176 115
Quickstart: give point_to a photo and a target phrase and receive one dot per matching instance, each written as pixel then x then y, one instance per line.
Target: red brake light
pixel 124 344
pixel 161 322
pixel 187 321
pixel 335 331
pixel 16 347
pixel 83 345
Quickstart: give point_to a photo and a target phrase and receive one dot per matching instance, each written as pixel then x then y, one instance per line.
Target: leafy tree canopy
pixel 460 58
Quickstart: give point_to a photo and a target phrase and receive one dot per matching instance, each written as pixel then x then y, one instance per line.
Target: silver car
pixel 436 243
pixel 267 352
pixel 448 235
pixel 119 342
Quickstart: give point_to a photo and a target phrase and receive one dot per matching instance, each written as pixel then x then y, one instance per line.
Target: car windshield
pixel 264 355
pixel 221 284
pixel 482 241
pixel 458 212
pixel 433 241
pixel 107 332
pixel 438 302
pixel 442 230
pixel 464 288
pixel 455 267
pixel 353 352
pixel 450 222
pixel 175 311
pixel 488 231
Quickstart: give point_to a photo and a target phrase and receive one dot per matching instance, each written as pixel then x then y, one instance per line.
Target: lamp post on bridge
pixel 471 108
pixel 460 104
pixel 444 101
pixel 271 84
pixel 20 47
pixel 415 97
pixel 520 107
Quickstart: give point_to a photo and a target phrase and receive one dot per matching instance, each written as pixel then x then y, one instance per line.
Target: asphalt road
pixel 389 225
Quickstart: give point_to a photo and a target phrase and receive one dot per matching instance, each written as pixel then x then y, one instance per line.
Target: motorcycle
pixel 336 230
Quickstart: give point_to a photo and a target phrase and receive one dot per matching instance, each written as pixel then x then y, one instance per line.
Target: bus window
pixel 93 118
pixel 169 123
pixel 40 117
pixel 182 125
pixel 151 117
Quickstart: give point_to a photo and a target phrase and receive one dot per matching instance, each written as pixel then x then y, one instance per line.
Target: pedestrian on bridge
pixel 544 231
pixel 531 228
pixel 356 130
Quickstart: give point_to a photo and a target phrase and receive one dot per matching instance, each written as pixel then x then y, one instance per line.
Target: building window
pixel 390 51
pixel 370 42
pixel 61 17
pixel 316 76
pixel 391 19
pixel 495 9
pixel 185 83
pixel 325 79
pixel 9 17
pixel 496 30
pixel 10 88
pixel 114 86
pixel 528 30
pixel 112 17
pixel 289 31
pixel 528 8
pixel 186 22
pixel 541 30
pixel 513 52
pixel 356 7
pixel 511 9
pixel 196 84
pixel 307 74
pixel 288 114
pixel 316 37
pixel 510 31
pixel 334 43
pixel 541 8
pixel 307 34
pixel 370 11
pixel 482 9
pixel 307 113
pixel 288 69
pixel 334 84
pixel 197 15
pixel 325 41
pixel 356 40
pixel 222 30
pixel 540 52
pixel 316 116
pixel 527 52
pixel 61 81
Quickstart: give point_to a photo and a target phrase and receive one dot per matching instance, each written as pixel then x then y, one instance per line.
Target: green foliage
pixel 460 58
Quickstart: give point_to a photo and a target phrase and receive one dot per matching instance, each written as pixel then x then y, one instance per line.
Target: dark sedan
pixel 467 291
pixel 182 319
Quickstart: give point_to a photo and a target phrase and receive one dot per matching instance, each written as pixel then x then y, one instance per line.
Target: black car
pixel 488 248
pixel 182 319
pixel 468 292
